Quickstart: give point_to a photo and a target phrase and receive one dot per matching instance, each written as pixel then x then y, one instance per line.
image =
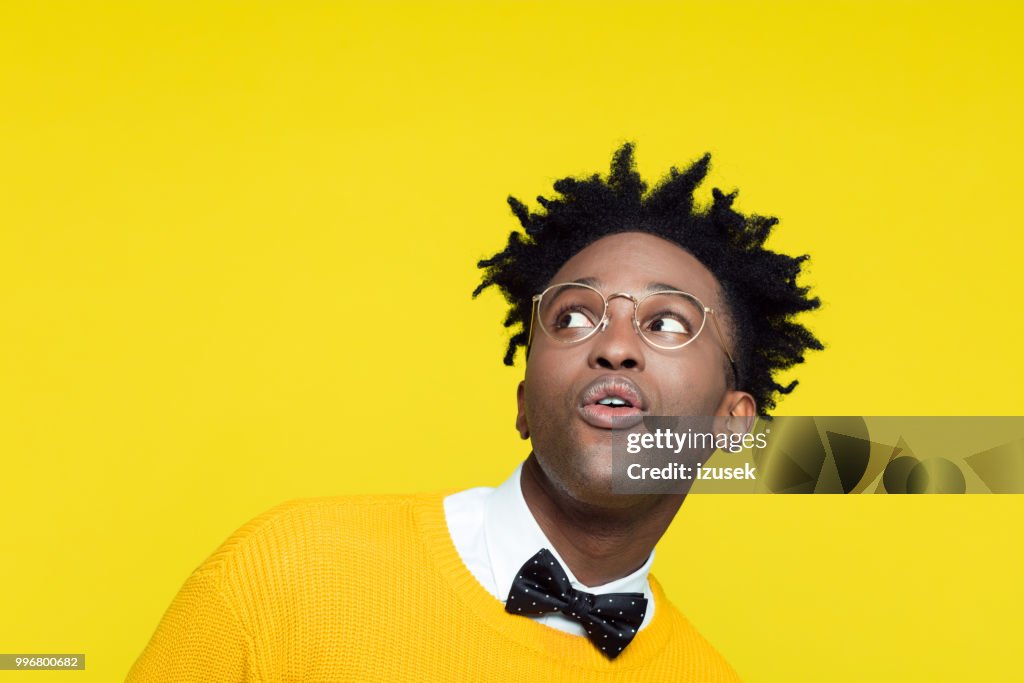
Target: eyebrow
pixel 651 287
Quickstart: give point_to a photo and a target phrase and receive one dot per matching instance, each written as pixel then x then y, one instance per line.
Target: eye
pixel 667 323
pixel 574 318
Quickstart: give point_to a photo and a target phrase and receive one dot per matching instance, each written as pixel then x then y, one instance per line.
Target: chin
pixel 592 483
pixel 582 469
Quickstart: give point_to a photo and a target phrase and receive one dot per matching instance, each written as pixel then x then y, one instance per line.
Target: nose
pixel 617 346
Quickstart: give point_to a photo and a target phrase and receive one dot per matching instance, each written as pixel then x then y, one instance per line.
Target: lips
pixel 612 402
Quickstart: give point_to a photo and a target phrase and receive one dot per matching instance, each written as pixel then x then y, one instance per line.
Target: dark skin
pixel 567 480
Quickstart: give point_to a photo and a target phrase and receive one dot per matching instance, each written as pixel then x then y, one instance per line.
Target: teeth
pixel 612 401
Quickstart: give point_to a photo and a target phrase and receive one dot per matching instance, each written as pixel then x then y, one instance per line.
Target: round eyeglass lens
pixel 670 320
pixel 570 312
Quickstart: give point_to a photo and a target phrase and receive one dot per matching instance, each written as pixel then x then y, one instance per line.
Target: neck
pixel 598 544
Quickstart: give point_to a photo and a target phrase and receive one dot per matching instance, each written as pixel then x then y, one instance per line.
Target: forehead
pixel 633 261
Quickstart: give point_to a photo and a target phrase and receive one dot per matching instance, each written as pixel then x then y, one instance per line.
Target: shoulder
pixel 695 654
pixel 302 530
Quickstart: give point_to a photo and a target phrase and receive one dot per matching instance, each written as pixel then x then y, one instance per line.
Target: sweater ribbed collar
pixel 428 511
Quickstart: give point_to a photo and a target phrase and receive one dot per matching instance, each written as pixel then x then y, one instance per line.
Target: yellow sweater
pixel 372 589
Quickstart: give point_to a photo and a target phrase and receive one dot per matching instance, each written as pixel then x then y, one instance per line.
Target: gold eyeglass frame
pixel 602 324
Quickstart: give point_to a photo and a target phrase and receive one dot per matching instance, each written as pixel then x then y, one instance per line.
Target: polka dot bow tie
pixel 542 587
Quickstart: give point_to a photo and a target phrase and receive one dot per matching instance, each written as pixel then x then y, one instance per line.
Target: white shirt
pixel 494 533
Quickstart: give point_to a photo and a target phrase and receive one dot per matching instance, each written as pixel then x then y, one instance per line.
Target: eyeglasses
pixel 572 312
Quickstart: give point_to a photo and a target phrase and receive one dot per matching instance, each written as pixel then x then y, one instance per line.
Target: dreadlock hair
pixel 759 286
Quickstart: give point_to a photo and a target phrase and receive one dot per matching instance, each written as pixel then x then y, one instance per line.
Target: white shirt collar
pixel 512 536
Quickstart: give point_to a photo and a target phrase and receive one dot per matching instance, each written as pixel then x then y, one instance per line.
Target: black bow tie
pixel 542 587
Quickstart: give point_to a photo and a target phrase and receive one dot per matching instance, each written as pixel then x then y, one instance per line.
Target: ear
pixel 740 408
pixel 521 426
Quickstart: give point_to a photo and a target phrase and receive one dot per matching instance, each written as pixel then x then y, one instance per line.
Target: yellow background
pixel 237 242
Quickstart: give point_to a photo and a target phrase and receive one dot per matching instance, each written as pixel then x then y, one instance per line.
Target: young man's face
pixel 571 441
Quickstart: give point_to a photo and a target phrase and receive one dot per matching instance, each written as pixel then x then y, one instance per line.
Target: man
pixel 629 304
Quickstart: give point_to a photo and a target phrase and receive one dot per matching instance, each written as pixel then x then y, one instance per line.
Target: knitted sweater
pixel 372 589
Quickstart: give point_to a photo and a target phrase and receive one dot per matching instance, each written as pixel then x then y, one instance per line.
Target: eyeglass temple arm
pixel 721 341
pixel 533 313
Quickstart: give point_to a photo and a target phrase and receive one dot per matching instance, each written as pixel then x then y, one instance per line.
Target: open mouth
pixel 612 402
pixel 615 402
